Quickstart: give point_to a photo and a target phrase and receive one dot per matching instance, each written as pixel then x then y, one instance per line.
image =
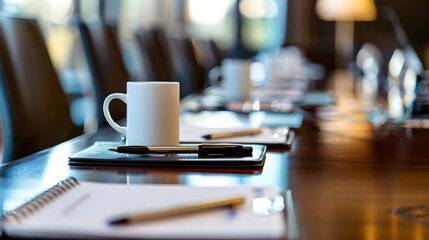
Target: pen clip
pixel 215 149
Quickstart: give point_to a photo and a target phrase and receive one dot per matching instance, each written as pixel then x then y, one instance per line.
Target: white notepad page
pixel 85 211
pixel 268 136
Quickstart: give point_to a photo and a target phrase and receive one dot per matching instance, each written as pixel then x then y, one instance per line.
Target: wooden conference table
pixel 344 175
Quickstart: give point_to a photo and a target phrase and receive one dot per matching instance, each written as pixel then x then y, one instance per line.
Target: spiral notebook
pixel 73 209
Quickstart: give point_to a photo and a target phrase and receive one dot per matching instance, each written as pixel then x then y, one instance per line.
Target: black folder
pixel 98 154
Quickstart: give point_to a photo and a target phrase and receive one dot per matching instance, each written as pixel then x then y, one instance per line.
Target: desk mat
pixel 174 169
pixel 98 154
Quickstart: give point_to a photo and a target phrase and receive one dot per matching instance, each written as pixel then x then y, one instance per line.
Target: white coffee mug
pixel 236 78
pixel 152 113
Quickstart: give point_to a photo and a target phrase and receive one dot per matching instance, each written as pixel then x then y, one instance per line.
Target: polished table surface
pixel 345 176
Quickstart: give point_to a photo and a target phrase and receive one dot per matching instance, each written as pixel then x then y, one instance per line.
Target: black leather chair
pixel 171 58
pixel 106 65
pixel 34 109
pixel 153 45
pixel 208 55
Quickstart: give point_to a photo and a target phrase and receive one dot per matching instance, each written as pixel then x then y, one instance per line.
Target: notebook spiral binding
pixel 40 200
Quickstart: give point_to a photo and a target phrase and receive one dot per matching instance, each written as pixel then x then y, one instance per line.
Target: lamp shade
pixel 346 10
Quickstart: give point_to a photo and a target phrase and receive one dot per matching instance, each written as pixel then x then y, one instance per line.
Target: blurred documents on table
pixel 225 119
pixel 272 137
pixel 85 210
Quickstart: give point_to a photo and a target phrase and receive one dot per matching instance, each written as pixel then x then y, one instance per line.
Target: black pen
pixel 207 149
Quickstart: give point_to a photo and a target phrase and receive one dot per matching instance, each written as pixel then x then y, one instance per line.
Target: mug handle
pixel 110 121
pixel 214 75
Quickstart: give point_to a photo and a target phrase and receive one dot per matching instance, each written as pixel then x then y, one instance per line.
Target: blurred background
pixel 234 28
pixel 378 43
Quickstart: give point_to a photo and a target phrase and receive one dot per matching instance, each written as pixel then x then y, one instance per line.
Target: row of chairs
pixel 176 57
pixel 34 110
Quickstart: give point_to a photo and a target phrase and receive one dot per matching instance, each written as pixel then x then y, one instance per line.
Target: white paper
pixel 85 211
pixel 278 135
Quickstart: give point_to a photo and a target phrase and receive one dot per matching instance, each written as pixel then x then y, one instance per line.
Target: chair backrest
pixel 171 58
pixel 208 55
pixel 33 106
pixel 186 67
pixel 154 47
pixel 106 65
